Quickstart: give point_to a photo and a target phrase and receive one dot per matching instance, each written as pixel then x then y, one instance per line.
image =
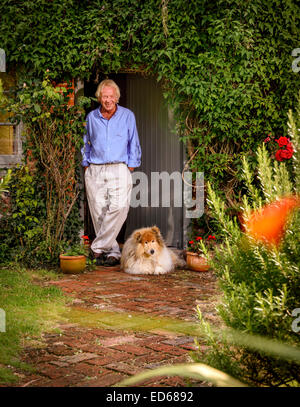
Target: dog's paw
pixel 159 270
pixel 131 271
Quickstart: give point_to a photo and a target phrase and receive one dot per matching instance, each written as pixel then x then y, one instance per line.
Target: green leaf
pixel 37 108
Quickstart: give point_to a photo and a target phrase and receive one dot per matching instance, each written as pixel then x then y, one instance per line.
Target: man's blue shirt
pixel 111 141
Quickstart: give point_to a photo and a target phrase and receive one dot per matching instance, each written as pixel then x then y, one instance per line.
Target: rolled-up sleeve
pixel 134 148
pixel 85 151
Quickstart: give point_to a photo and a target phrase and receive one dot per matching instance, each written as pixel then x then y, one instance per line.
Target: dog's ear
pixel 155 230
pixel 137 237
pixel 158 235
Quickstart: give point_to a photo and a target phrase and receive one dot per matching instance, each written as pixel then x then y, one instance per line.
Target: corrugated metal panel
pixel 161 151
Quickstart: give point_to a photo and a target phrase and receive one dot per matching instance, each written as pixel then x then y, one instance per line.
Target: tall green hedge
pixel 226 65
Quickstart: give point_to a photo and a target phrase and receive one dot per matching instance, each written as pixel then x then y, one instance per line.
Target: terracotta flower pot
pixel 196 262
pixel 72 264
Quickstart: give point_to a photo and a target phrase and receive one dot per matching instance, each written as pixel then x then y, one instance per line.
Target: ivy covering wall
pixel 225 65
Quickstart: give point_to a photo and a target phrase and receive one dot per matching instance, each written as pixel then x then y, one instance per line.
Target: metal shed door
pixel 161 152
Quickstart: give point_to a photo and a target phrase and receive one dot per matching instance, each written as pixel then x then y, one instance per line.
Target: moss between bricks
pixel 132 321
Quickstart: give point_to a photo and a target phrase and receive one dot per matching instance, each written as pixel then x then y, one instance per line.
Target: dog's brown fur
pixel 145 252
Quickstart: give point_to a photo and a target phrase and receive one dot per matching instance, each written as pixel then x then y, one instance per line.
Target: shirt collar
pixel 115 114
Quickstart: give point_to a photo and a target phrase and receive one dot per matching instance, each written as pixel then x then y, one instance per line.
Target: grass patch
pixel 30 309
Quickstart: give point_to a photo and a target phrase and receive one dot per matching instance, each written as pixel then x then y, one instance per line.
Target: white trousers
pixel 108 189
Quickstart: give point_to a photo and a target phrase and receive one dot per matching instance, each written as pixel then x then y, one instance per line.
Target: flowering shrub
pixel 285 151
pixel 86 240
pixel 196 245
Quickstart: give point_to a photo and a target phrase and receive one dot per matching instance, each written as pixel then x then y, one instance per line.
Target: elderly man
pixel 111 151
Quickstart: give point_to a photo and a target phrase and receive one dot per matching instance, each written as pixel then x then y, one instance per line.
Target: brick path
pixel 102 353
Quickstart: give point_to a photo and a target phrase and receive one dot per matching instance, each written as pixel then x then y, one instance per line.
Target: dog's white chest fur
pixel 164 262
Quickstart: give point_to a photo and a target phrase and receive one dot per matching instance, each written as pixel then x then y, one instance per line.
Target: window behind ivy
pixel 10 137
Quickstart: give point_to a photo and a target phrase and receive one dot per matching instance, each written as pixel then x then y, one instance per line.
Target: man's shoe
pixel 112 261
pixel 100 260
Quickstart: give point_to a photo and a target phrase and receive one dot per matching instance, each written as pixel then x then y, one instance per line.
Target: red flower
pixel 278 155
pixel 282 141
pixel 211 237
pixel 191 241
pixel 266 140
pixel 198 238
pixel 85 237
pixel 289 147
pixel 286 154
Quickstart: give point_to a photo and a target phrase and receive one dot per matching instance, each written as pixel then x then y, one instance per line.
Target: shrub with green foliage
pixel 260 284
pixel 43 215
pixel 21 225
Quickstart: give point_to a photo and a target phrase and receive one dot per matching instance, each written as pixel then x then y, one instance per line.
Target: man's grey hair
pixel 111 84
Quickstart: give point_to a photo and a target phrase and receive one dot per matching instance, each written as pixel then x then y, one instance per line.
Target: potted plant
pixel 194 255
pixel 74 259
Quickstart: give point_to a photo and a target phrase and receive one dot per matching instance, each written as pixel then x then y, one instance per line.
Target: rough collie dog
pixel 145 252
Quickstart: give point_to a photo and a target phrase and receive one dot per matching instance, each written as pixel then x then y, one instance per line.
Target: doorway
pixel 161 152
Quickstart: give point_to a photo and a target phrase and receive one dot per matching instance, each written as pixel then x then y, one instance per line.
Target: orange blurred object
pixel 268 224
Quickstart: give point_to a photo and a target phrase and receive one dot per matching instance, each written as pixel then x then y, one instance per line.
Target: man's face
pixel 108 98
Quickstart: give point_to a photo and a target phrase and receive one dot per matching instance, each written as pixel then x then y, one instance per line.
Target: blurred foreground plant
pixel 258 268
pixel 260 282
